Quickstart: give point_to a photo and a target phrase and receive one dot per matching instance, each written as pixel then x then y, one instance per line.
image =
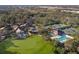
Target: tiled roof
pixel 71 31
pixel 59 26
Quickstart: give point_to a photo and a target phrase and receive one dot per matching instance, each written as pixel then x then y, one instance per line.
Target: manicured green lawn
pixel 31 45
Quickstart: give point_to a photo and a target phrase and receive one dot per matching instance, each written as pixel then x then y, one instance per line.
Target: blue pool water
pixel 62 38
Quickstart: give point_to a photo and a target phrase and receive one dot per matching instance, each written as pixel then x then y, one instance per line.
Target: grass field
pixel 31 45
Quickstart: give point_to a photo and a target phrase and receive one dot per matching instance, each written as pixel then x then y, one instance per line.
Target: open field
pixel 34 44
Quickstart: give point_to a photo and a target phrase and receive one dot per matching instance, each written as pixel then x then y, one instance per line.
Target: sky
pixel 39 2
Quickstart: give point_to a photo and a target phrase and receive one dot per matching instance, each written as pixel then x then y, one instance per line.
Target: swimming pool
pixel 62 38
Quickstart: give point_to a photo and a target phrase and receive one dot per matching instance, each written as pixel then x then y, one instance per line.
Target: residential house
pixel 20 34
pixel 58 34
pixel 2 33
pixel 33 29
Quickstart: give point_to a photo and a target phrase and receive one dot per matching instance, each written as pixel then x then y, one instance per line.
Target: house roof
pixel 71 31
pixel 59 26
pixel 66 28
pixel 2 28
pixel 15 27
pixel 18 30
